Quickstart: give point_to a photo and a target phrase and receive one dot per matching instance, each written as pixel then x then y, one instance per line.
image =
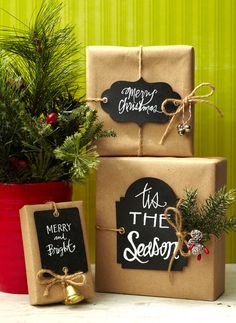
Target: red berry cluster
pixel 199 257
pixel 51 118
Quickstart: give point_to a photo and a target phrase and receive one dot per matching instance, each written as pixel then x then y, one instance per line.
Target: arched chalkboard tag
pixel 149 241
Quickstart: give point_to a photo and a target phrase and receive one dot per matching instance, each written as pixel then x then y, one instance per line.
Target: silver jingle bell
pixel 187 128
pixel 181 129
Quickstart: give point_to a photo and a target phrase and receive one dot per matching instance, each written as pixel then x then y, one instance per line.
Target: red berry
pixel 17 163
pixel 206 250
pixel 51 118
pixel 191 246
pixel 199 257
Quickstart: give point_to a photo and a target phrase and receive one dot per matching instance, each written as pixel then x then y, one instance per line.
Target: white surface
pixel 112 308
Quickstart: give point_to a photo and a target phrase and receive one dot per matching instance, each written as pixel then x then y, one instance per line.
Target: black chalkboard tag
pixel 139 101
pixel 61 241
pixel 149 241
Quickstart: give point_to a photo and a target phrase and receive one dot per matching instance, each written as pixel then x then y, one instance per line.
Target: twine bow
pixel 186 102
pixel 59 279
pixel 181 235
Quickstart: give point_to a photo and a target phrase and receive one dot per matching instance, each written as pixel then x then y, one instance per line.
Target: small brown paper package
pixel 56 252
pixel 135 81
pixel 134 242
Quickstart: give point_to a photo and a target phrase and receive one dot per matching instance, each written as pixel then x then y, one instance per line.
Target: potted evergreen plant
pixel 47 133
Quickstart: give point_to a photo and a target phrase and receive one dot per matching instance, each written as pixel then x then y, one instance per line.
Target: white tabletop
pixel 112 308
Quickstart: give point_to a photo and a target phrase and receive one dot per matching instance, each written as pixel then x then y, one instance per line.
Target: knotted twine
pixel 59 279
pixel 186 102
pixel 54 207
pixel 181 235
pixel 120 230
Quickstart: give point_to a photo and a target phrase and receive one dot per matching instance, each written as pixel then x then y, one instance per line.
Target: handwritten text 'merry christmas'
pixel 137 100
pixel 140 251
pixel 60 232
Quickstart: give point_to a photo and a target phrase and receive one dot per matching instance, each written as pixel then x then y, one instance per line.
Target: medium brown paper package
pixel 137 132
pixel 52 242
pixel 136 262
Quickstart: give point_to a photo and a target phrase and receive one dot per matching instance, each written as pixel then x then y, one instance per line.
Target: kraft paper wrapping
pixel 33 261
pixel 200 280
pixel 171 64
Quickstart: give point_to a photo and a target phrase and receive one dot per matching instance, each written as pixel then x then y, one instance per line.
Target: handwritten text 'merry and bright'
pixel 59 231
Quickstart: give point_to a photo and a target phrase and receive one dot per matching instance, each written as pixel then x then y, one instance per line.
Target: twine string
pixel 59 279
pixel 140 54
pixel 187 102
pixel 140 146
pixel 54 207
pixel 120 230
pixel 140 132
pixel 103 100
pixel 180 234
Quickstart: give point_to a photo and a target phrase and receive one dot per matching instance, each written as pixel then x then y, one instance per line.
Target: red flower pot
pixel 12 198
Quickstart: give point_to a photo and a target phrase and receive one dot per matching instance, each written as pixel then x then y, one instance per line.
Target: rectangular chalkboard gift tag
pixel 56 253
pixel 127 86
pixel 134 241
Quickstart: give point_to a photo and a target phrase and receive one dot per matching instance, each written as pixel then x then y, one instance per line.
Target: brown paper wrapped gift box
pixel 200 279
pixel 171 64
pixel 33 260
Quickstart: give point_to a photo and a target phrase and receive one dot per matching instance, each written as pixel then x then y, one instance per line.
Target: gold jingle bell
pixel 72 297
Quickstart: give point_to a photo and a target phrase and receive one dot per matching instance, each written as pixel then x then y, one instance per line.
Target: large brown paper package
pixel 170 64
pixel 32 253
pixel 120 177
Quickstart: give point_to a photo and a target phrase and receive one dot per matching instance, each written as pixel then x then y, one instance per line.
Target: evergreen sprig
pixel 40 66
pixel 210 217
pixel 45 57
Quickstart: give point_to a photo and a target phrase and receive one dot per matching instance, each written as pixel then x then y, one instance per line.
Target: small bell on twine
pixel 69 283
pixel 183 128
pixel 184 104
pixel 72 296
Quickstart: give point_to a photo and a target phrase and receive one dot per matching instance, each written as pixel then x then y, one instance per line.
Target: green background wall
pixel 208 25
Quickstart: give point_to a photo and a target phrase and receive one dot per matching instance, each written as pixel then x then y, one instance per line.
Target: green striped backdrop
pixel 208 25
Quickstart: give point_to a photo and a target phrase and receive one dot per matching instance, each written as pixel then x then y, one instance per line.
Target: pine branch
pixel 45 56
pixel 189 210
pixel 80 159
pixel 210 217
pixel 44 167
pixel 39 70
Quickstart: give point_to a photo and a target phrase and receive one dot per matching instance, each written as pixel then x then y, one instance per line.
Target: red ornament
pixel 199 257
pixel 191 246
pixel 51 118
pixel 206 250
pixel 17 163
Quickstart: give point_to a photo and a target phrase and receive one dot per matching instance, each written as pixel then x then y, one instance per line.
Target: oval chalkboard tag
pixel 61 240
pixel 149 241
pixel 139 101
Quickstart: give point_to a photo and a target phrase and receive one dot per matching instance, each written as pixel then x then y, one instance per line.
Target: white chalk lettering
pixel 149 201
pixel 57 228
pixel 137 100
pixel 66 247
pixel 161 219
pixel 134 215
pixel 140 251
